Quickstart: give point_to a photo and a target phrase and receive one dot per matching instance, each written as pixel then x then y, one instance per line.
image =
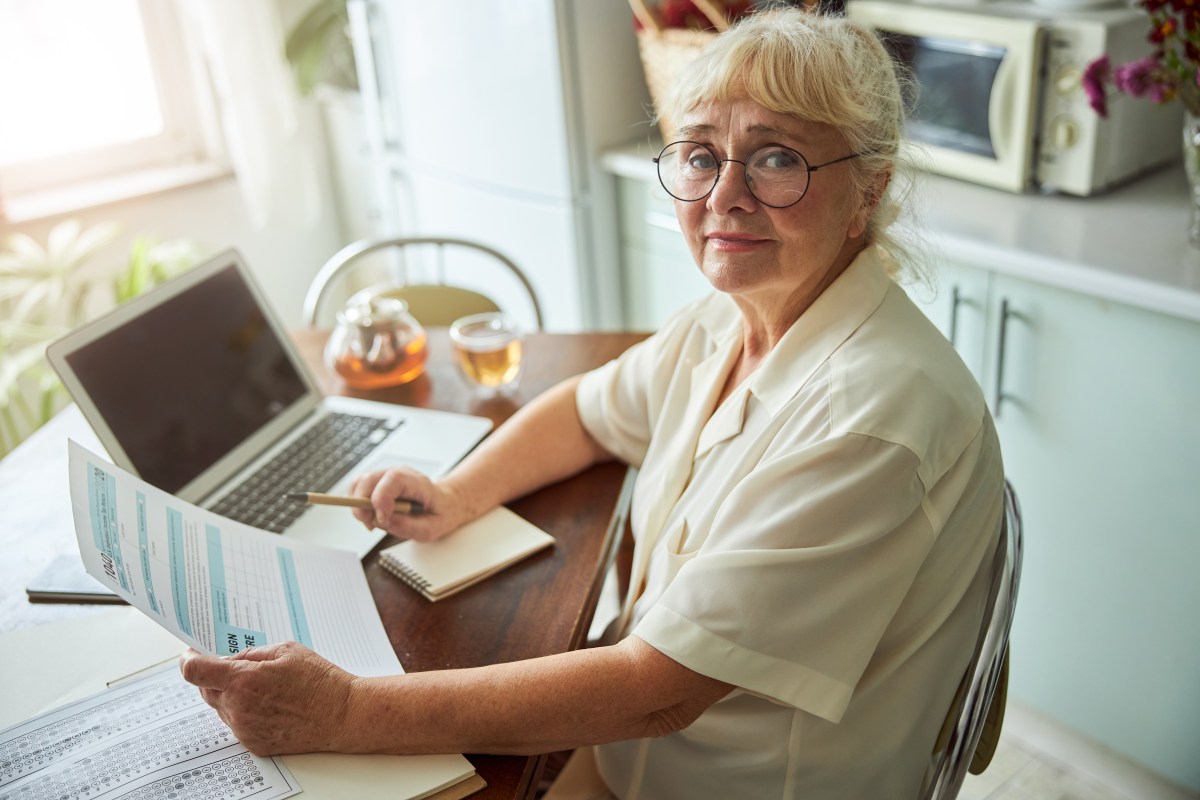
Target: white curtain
pixel 242 41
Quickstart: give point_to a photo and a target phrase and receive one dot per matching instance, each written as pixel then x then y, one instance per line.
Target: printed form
pixel 219 585
pixel 151 738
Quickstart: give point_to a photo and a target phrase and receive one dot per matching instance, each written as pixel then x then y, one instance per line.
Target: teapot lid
pixel 377 313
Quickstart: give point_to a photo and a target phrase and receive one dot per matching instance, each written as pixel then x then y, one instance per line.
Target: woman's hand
pixel 443 511
pixel 542 443
pixel 278 699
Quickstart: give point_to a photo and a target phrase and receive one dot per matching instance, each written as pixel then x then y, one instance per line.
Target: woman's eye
pixel 701 160
pixel 777 159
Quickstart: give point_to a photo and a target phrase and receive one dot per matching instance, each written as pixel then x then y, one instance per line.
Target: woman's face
pixel 760 253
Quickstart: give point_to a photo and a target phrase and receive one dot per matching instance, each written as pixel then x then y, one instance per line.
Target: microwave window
pixel 948 106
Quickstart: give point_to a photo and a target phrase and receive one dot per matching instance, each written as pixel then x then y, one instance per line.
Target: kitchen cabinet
pixel 1096 406
pixel 658 274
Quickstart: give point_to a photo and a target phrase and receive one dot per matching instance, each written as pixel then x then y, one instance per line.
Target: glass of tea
pixel 487 349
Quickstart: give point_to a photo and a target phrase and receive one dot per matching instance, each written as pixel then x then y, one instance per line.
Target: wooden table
pixel 542 606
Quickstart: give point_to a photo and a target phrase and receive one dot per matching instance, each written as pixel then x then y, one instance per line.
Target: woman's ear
pixel 870 201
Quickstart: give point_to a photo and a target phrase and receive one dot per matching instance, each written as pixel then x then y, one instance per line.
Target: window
pixel 92 90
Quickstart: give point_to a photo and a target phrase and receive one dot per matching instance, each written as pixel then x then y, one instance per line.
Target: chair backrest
pixel 984 682
pixel 433 303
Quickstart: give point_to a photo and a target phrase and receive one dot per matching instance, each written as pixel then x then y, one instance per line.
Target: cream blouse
pixel 821 540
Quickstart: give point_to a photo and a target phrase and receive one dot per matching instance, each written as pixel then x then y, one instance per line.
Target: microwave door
pixel 1008 120
pixel 977 79
pixel 955 107
pixel 974 107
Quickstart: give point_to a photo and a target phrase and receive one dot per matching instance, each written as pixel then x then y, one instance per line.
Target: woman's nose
pixel 731 190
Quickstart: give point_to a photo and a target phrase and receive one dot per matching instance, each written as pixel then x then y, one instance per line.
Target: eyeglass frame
pixel 811 168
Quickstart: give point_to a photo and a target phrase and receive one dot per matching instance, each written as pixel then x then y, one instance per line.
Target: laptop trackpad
pixel 331 526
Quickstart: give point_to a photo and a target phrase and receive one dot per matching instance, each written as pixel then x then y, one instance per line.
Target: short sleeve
pixel 620 402
pixel 808 560
pixel 612 406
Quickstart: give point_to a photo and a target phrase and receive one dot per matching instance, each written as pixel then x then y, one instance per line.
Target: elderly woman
pixel 818 501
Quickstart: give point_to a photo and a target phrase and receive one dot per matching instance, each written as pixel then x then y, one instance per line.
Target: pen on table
pixel 403 504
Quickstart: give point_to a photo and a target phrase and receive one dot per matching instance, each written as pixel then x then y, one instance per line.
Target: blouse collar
pixel 832 318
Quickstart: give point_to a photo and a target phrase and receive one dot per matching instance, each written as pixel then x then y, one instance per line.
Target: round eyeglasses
pixel 776 176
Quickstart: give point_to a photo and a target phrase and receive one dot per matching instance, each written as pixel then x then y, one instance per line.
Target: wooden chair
pixel 432 303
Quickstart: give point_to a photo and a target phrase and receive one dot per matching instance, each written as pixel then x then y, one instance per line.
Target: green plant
pixel 50 285
pixel 47 291
pixel 319 50
pixel 150 263
pixel 29 391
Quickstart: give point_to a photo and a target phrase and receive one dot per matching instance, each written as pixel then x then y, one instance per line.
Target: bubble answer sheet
pixel 151 738
pixel 220 587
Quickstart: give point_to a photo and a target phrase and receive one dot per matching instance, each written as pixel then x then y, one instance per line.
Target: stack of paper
pixel 220 587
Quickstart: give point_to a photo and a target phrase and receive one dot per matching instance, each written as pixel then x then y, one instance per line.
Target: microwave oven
pixel 997 97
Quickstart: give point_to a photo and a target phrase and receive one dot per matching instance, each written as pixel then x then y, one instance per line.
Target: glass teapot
pixel 376 343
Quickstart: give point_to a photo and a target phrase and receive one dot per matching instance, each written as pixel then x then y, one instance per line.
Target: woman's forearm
pixel 585 697
pixel 542 443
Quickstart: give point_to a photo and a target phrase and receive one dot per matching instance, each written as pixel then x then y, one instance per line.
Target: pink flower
pixel 1168 73
pixel 1143 78
pixel 1095 76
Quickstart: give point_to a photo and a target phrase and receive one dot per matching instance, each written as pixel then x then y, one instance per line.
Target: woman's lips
pixel 734 242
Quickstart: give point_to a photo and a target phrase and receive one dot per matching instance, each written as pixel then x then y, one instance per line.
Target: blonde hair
pixel 823 69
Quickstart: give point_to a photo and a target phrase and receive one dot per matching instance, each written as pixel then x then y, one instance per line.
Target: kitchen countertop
pixel 1128 245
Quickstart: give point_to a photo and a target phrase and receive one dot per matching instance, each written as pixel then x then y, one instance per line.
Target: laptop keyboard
pixel 312 463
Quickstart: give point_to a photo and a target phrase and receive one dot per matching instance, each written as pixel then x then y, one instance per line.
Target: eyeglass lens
pixel 777 176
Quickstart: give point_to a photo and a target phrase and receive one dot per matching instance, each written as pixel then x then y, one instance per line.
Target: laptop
pixel 196 387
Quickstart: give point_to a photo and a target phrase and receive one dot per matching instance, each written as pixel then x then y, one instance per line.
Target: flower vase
pixel 1191 165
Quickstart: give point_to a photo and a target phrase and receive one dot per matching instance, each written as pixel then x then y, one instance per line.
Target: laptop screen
pixel 176 416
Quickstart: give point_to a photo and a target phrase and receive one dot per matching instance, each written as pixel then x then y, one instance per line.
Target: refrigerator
pixel 488 121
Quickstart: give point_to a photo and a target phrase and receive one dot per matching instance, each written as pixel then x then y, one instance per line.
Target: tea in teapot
pixel 377 343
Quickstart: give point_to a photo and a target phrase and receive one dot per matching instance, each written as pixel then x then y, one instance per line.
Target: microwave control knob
pixel 1064 132
pixel 1068 79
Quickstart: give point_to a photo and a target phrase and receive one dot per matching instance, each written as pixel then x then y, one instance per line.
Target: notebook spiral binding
pixel 405 573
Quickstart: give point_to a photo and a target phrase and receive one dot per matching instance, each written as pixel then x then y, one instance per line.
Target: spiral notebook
pixel 476 551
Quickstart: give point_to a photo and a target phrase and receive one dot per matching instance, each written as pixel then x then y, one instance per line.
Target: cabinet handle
pixel 957 299
pixel 361 15
pixel 1006 313
pixel 377 123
